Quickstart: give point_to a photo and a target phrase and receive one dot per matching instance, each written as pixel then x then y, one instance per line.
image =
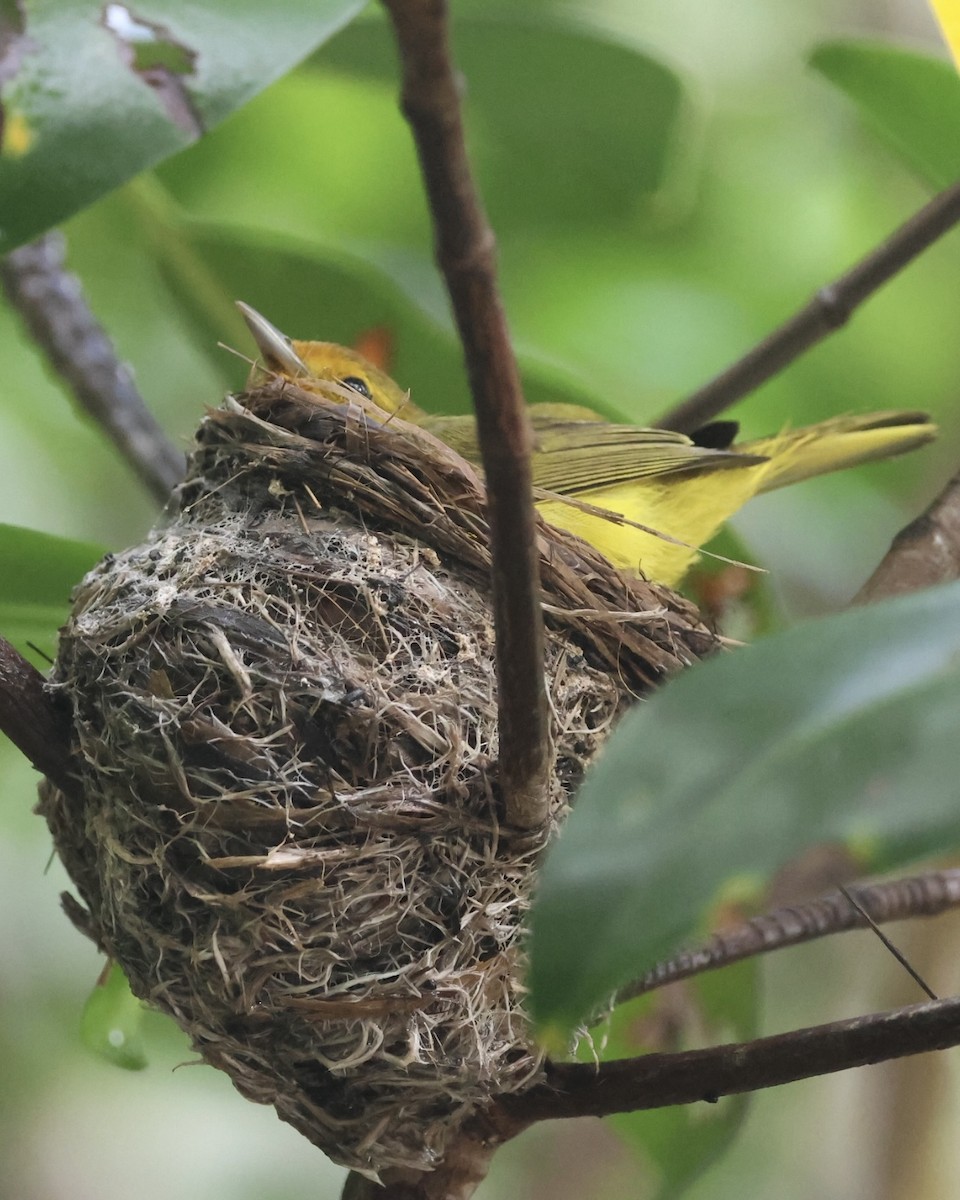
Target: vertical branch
pixel 466 254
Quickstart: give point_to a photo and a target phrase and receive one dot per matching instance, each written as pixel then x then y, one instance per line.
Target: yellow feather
pixel 648 477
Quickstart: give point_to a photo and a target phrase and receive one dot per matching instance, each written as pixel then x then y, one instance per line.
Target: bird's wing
pixel 576 456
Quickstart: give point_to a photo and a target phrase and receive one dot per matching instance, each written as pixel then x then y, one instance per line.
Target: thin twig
pixel 661 1080
pixel 925 895
pixel 52 304
pixel 466 254
pixel 889 945
pixel 926 552
pixel 31 718
pixel 826 312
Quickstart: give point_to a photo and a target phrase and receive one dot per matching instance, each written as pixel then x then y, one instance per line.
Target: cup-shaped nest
pixel 287 825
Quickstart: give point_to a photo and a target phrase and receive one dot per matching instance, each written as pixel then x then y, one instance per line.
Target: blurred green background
pixel 723 182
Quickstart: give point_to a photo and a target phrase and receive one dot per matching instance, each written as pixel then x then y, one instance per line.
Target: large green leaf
pixel 311 289
pixel 843 730
pixel 94 94
pixel 566 129
pixel 567 124
pixel 911 100
pixel 38 571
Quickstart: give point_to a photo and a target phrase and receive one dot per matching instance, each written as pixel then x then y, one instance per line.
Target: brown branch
pixel 826 312
pixel 51 302
pixel 926 552
pixel 466 254
pixel 925 895
pixel 661 1080
pixel 31 718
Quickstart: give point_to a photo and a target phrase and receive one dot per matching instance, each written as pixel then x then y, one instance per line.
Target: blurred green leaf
pixel 911 100
pixel 318 153
pixel 112 1020
pixel 543 92
pixel 94 95
pixel 843 730
pixel 678 1143
pixel 37 574
pixel 310 289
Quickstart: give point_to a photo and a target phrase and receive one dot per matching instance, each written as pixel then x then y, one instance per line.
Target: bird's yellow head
pixel 314 366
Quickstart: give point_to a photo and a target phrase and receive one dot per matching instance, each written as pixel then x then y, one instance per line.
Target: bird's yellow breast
pixel 681 507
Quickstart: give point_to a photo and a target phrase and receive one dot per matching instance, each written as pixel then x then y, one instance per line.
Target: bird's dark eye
pixel 358 385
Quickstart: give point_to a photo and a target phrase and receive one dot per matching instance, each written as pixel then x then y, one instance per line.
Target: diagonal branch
pixel 51 302
pixel 924 553
pixel 31 718
pixel 829 310
pixel 466 254
pixel 925 895
pixel 661 1080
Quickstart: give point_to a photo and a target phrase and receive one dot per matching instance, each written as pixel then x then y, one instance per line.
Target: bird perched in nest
pixel 646 481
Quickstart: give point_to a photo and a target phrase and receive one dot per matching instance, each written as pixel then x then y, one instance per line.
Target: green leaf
pixel 38 571
pixel 312 290
pixel 842 730
pixel 112 1020
pixel 566 124
pixel 677 1144
pixel 93 95
pixel 911 100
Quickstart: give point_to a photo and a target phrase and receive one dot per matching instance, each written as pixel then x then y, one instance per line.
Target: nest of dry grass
pixel 287 828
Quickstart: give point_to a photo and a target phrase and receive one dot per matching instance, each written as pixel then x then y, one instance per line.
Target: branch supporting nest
pixel 30 717
pixel 661 1080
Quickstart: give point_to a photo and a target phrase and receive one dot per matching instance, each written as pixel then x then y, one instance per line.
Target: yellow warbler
pixel 684 487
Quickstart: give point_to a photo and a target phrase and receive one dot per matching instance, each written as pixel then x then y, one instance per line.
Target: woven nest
pixel 287 827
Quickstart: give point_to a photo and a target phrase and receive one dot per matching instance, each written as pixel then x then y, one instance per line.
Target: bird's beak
pixel 275 347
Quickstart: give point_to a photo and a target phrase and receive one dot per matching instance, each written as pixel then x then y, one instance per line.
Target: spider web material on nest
pixel 287 828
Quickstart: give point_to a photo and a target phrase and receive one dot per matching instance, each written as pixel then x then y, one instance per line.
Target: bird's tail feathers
pixel 838 443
